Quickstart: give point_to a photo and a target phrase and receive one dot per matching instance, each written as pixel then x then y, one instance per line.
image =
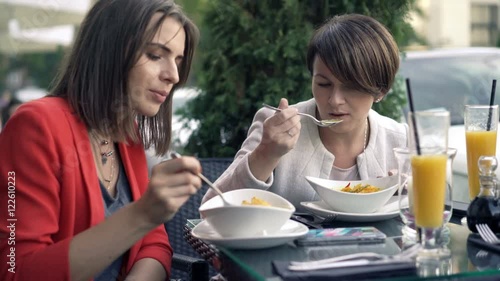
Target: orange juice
pixel 478 143
pixel 429 187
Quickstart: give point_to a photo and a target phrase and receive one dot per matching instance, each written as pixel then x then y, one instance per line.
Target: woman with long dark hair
pixel 73 168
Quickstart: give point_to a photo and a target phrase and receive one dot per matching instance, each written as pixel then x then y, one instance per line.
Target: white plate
pixel 288 232
pixel 390 210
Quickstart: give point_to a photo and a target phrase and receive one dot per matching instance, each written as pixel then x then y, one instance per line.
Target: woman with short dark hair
pixel 74 161
pixel 353 61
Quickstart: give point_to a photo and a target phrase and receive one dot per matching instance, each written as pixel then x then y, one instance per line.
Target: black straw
pixel 413 118
pixel 492 101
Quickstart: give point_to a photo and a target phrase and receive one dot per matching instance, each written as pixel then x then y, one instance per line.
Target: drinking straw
pixel 492 100
pixel 413 119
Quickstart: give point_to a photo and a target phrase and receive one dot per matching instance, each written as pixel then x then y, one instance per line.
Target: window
pixel 451 80
pixel 484 25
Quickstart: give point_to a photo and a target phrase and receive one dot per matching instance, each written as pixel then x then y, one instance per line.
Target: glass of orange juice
pixel 404 158
pixel 428 162
pixel 481 122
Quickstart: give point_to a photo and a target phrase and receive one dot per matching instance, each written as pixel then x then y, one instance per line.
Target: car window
pixel 451 82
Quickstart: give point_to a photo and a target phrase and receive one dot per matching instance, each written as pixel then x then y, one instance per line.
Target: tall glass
pixel 481 123
pixel 405 194
pixel 429 158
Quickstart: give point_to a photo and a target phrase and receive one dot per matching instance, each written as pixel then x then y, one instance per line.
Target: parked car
pixel 182 129
pixel 30 93
pixel 450 79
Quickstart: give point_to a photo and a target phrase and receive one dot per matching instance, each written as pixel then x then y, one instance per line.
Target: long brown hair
pixel 358 50
pixel 111 40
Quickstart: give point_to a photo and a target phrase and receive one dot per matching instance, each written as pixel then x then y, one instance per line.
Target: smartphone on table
pixel 342 235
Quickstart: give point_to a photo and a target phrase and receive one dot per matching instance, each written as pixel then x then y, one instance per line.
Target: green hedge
pixel 254 52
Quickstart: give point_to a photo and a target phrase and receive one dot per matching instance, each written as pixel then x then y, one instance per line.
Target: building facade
pixel 458 23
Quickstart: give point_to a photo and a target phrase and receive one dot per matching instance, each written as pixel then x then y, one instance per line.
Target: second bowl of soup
pixel 364 196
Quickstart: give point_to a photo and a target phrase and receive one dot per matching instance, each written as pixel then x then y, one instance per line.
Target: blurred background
pixel 254 51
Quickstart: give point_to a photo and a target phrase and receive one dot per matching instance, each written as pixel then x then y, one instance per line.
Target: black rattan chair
pixel 187 264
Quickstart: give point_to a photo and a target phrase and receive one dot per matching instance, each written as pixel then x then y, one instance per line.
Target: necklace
pixel 366 133
pixel 351 173
pixel 364 146
pixel 105 155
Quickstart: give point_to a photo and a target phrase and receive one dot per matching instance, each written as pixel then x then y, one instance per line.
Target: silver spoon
pixel 207 181
pixel 321 123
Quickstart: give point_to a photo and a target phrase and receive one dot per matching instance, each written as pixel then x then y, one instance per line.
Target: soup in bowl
pixel 364 196
pixel 253 212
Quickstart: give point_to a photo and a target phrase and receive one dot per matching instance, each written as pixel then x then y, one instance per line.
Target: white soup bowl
pixel 238 221
pixel 363 203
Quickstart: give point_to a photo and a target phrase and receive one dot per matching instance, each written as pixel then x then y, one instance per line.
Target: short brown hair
pixel 358 50
pixel 111 40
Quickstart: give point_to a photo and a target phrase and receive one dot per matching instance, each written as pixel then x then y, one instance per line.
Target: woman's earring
pixel 378 100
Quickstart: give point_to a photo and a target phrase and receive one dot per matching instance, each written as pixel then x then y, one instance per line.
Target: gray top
pixel 309 157
pixel 111 205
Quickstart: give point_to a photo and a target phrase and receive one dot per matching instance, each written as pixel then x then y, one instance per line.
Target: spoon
pixel 321 123
pixel 207 181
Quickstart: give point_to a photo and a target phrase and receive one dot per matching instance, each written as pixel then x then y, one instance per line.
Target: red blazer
pixel 46 162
